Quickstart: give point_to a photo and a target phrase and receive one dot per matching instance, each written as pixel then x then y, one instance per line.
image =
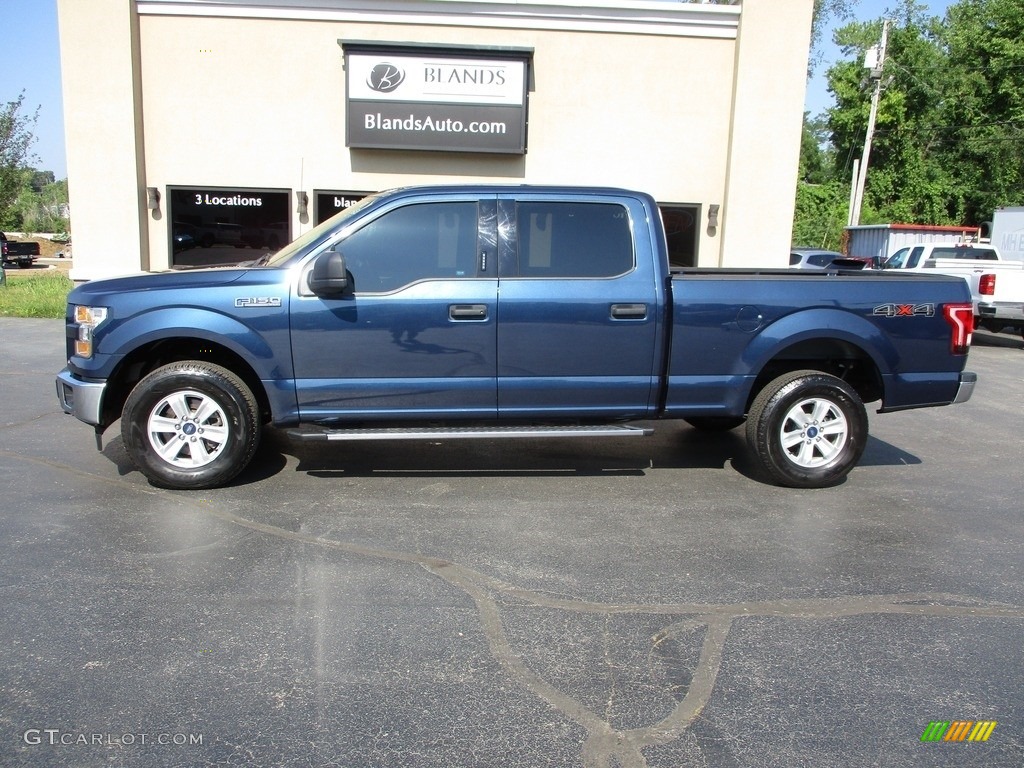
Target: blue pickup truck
pixel 478 311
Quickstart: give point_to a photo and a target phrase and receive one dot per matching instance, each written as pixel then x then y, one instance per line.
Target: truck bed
pixel 724 330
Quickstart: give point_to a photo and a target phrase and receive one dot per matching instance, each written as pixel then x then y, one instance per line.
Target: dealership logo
pixel 385 77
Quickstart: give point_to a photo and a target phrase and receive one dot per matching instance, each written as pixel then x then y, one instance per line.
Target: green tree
pixel 820 216
pixel 981 121
pixel 41 179
pixel 16 140
pixel 824 12
pixel 46 210
pixel 816 155
pixel 949 141
pixel 911 179
pixel 821 202
pixel 908 178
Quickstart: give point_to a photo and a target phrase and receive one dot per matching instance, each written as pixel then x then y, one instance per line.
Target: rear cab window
pixel 566 239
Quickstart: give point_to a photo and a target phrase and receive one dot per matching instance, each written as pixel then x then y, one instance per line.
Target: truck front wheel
pixel 190 425
pixel 807 429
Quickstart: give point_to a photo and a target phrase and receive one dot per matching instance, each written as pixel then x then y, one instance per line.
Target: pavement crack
pixel 604 745
pixel 606 641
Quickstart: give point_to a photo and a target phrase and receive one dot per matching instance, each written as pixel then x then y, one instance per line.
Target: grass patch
pixel 35 294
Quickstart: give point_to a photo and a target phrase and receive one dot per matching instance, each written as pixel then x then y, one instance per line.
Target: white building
pixel 196 128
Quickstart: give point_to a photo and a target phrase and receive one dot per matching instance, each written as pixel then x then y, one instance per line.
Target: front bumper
pixel 82 399
pixel 966 389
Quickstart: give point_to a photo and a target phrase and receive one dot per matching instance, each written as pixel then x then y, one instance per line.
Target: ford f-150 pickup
pixel 518 311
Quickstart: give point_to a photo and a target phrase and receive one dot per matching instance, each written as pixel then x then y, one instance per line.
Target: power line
pixel 910 128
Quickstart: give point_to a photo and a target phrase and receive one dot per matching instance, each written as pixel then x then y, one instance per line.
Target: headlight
pixel 87 318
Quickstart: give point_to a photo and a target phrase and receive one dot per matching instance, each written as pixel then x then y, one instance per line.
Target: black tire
pixel 190 425
pixel 715 423
pixel 807 429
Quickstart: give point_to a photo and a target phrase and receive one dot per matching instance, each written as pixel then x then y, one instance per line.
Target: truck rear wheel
pixel 190 425
pixel 807 429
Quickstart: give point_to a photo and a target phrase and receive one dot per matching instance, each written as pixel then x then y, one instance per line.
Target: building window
pixel 212 226
pixel 681 233
pixel 330 203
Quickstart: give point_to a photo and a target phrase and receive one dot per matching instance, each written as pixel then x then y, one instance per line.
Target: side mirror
pixel 329 276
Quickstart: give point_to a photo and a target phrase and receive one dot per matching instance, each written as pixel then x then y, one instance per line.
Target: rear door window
pixel 568 240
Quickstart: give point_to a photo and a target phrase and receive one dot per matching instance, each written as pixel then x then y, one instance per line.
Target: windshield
pixel 318 232
pixel 896 260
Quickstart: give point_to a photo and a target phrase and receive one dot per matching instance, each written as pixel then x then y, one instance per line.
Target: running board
pixel 468 433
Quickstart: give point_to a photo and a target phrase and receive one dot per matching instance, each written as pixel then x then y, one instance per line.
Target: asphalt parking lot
pixel 612 604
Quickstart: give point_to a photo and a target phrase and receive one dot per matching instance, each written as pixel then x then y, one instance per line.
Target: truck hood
pixel 96 291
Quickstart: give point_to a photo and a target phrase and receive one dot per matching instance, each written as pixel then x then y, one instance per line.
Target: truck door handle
pixel 467 312
pixel 629 311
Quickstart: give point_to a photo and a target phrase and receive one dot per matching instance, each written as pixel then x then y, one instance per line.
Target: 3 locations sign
pixel 212 225
pixel 399 99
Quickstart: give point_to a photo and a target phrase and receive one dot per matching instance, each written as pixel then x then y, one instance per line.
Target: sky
pixel 31 62
pixel 31 40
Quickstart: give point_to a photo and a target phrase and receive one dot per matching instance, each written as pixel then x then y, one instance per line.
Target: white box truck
pixel 1008 233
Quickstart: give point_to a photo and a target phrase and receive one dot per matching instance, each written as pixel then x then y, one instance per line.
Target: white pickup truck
pixel 997 285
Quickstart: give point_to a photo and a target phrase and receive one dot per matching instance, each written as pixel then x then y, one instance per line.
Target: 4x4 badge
pixel 905 310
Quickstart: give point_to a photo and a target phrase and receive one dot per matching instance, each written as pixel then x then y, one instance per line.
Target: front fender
pixel 261 341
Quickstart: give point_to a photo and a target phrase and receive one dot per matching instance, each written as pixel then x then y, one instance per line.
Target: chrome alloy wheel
pixel 188 429
pixel 813 432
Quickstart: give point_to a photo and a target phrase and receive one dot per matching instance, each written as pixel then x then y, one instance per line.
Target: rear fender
pixel 772 342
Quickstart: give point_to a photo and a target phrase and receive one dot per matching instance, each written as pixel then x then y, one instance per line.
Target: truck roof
pixel 516 188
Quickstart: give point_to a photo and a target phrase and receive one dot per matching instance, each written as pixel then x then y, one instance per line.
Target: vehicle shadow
pixel 673 446
pixel 269 461
pixel 878 453
pixel 983 338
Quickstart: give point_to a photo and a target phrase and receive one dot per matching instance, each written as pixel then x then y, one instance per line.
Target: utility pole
pixel 875 61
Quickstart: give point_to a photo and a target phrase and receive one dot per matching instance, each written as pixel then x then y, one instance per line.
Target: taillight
pixel 961 319
pixel 987 285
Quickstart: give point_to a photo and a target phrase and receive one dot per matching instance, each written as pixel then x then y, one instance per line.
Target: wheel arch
pixel 840 354
pixel 156 353
pixel 830 340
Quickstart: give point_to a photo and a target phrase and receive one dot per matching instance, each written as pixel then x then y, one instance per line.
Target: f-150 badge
pixel 259 301
pixel 905 310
